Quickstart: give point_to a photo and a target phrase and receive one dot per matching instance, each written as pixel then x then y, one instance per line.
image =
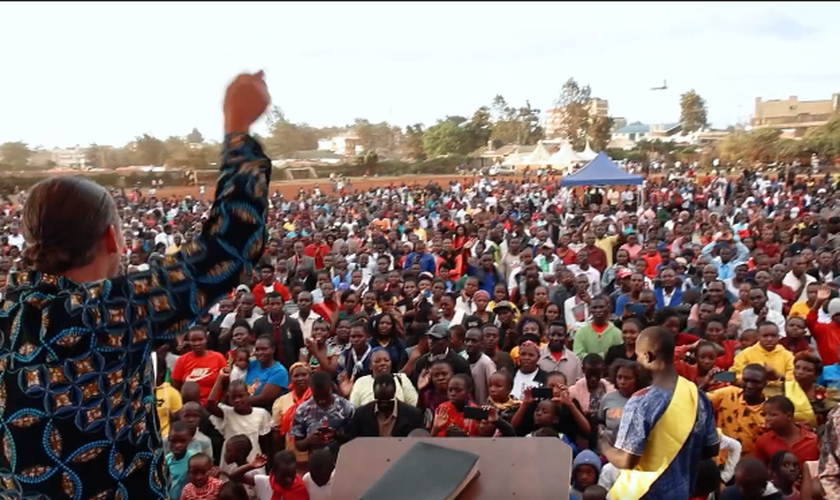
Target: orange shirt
pixel 202 370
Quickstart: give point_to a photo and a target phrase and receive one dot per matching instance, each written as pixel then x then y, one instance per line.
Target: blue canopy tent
pixel 601 172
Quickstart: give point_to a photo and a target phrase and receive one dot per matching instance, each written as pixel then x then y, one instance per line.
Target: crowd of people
pixel 685 347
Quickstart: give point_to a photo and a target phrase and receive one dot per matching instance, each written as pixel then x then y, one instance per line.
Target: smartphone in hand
pixel 476 413
pixel 726 376
pixel 539 393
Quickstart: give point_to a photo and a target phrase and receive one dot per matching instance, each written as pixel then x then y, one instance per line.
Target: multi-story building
pixel 554 117
pixel 792 116
pixel 69 157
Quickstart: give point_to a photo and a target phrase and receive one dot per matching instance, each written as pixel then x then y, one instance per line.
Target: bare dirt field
pixel 291 188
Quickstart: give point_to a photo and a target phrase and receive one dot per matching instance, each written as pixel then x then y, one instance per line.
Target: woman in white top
pixel 361 391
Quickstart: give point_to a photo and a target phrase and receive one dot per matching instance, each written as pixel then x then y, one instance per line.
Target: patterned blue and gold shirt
pixel 76 385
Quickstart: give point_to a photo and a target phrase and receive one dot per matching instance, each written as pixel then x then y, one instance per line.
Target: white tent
pixel 540 156
pixel 587 154
pixel 566 157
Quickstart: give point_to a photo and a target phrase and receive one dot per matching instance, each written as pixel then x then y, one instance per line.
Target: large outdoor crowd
pixel 395 311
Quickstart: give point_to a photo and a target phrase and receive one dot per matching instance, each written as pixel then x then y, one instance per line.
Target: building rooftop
pixel 639 128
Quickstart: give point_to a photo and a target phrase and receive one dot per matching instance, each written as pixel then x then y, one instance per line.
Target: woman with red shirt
pixel 199 365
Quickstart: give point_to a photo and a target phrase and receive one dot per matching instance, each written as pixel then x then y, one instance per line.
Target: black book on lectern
pixel 426 472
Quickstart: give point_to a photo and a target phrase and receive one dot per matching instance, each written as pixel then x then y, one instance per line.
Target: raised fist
pixel 246 99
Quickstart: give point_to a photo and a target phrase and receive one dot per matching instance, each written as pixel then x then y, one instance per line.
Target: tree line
pixel 492 125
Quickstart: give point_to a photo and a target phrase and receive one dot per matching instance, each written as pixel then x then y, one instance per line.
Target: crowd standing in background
pixel 709 311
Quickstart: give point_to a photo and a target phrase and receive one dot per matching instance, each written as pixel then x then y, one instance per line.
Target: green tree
pixel 574 103
pixel 825 139
pixel 413 145
pixel 513 125
pixel 376 136
pixel 195 137
pixel 480 127
pixel 445 138
pixel 693 112
pixel 148 150
pixel 15 154
pixel 599 132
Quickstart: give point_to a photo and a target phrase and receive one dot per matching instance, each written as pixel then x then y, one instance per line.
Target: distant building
pixel 619 122
pixel 343 145
pixel 554 117
pixel 75 158
pixel 793 116
pixel 626 137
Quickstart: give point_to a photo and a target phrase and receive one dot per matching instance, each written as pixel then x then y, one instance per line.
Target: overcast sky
pixel 77 73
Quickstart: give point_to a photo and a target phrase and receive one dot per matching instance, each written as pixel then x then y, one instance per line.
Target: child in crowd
pixel 784 469
pixel 199 442
pixel 239 369
pixel 168 398
pixel 178 457
pixel 318 480
pixel 499 387
pixel 239 417
pixel 283 482
pixel 595 492
pixel 795 339
pixel 233 491
pixel 782 431
pixel 191 393
pixel 546 418
pixel 451 413
pixel 751 483
pixel 748 338
pixel 456 340
pixel 202 485
pixel 585 471
pixel 434 386
pixel 716 332
pixel 237 450
pixel 241 337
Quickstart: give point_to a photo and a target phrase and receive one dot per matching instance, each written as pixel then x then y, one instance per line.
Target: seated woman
pixel 360 391
pixel 811 401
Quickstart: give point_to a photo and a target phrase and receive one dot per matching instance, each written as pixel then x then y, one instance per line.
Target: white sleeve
pixel 734 448
pixel 262 487
pixel 228 321
pixel 265 422
pixel 219 423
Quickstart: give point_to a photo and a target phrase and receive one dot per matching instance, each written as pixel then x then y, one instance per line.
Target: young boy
pixel 284 480
pixel 191 414
pixel 167 397
pixel 318 480
pixel 236 452
pixel 202 485
pixel 595 492
pixel 585 470
pixel 178 457
pixel 751 483
pixel 784 434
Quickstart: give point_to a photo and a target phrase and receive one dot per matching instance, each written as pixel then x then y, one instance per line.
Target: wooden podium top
pixel 521 468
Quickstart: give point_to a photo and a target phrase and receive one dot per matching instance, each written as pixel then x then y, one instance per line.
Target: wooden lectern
pixel 520 468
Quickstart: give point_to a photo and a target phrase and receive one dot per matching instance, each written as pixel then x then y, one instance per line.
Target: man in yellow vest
pixel 665 430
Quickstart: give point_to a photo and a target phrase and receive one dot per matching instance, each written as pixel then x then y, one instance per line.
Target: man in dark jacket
pixel 385 416
pixel 285 331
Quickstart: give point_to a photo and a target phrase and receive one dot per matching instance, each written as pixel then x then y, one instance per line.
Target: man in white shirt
pixel 797 279
pixel 305 316
pixel 583 268
pixel 751 318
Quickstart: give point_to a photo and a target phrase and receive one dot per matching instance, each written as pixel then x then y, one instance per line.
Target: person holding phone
pixel 452 417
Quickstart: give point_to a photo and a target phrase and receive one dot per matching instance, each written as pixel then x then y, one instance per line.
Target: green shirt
pixel 587 341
